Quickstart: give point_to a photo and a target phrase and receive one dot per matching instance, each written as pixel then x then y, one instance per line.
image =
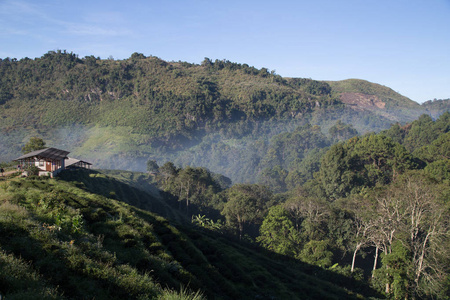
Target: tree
pixel 168 170
pixel 309 216
pixel 247 203
pixel 336 172
pixel 274 178
pixel 362 216
pixel 363 162
pixel 414 213
pixel 152 166
pixel 317 253
pixel 395 274
pixel 278 233
pixel 34 144
pixel 341 131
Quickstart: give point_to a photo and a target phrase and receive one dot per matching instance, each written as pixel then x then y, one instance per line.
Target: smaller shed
pixel 50 161
pixel 77 163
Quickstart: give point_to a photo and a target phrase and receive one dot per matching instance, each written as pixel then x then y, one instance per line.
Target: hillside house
pixel 50 161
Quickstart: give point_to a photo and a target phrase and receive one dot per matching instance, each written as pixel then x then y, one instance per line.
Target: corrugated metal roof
pixel 51 153
pixel 71 161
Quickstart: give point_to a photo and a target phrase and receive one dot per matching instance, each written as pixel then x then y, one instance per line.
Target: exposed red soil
pixel 359 101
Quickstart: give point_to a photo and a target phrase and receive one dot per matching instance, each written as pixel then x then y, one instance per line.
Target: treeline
pixel 373 207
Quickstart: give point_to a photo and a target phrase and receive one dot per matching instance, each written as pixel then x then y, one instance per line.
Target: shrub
pixel 183 294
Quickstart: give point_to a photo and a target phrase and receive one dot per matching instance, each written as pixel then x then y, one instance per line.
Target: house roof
pixel 51 153
pixel 71 161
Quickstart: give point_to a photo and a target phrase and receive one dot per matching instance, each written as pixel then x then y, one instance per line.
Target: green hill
pixel 379 99
pixel 118 114
pixel 64 239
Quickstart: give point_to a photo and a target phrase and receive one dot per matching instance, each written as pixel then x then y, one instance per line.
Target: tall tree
pixel 414 212
pixel 247 203
pixel 278 233
pixel 33 144
pixel 152 166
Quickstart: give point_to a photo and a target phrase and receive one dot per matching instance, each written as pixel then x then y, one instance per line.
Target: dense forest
pixel 255 186
pixel 376 207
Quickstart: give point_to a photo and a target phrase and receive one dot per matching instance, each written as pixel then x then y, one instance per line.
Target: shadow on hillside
pixel 288 270
pixel 68 273
pixel 234 263
pixel 98 183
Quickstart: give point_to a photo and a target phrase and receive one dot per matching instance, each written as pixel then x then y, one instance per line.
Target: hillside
pixel 363 217
pixel 64 239
pixel 366 96
pixel 119 114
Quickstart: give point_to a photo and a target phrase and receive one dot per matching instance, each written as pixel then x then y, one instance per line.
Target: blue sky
pixel 404 45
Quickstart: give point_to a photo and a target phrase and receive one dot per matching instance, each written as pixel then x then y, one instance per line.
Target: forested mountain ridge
pixel 120 113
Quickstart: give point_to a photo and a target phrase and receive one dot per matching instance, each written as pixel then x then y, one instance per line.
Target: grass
pixel 63 239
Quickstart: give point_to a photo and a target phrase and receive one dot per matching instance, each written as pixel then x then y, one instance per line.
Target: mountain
pixel 119 114
pixel 84 236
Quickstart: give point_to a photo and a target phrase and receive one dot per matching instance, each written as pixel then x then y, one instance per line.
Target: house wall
pixel 47 167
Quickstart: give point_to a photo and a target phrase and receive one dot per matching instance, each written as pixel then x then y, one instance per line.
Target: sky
pixel 402 44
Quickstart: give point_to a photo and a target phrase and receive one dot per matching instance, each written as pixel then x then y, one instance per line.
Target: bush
pixel 183 294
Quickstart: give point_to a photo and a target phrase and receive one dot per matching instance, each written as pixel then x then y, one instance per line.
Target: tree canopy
pixel 33 144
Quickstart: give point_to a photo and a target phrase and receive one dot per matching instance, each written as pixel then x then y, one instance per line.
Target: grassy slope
pixel 398 107
pixel 391 97
pixel 65 239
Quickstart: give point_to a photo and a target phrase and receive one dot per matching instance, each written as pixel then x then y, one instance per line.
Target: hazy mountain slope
pixel 118 114
pixel 437 107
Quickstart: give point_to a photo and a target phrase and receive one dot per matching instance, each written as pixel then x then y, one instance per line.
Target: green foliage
pixel 341 131
pixel 63 240
pixel 336 172
pixel 395 276
pixel 195 186
pixel 439 170
pixel 203 221
pixel 35 143
pixel 363 162
pixel 32 170
pixel 439 149
pixel 278 234
pixel 183 294
pixel 274 178
pixel 421 132
pixel 19 280
pixel 246 204
pixel 317 253
pixel 152 166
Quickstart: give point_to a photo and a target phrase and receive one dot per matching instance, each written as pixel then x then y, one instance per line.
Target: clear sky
pixel 402 44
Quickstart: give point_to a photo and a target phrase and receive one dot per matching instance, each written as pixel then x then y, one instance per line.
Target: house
pixel 50 161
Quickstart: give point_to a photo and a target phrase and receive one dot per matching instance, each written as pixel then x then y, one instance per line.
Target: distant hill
pixel 381 100
pixel 436 107
pixel 118 114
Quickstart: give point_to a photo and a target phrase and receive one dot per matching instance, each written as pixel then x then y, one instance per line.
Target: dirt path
pixel 8 173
